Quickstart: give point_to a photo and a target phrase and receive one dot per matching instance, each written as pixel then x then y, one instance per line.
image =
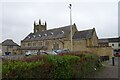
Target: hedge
pixel 51 66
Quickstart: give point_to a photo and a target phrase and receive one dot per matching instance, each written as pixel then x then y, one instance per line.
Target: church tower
pixel 39 27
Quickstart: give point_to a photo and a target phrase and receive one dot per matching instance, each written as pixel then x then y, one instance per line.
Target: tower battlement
pixel 40 27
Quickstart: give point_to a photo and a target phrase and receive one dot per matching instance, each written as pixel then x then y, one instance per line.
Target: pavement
pixel 12 57
pixel 108 70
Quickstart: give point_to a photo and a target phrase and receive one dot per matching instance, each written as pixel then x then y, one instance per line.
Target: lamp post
pixel 70 5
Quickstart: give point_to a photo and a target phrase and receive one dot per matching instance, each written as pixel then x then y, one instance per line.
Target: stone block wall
pixel 101 51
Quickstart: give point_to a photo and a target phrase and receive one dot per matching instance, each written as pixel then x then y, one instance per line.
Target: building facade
pixel 9 47
pixel 58 38
pixel 113 42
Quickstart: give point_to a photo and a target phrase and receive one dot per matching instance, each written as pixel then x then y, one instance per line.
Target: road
pixel 109 71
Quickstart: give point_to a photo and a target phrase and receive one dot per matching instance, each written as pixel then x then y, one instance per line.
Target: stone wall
pixel 12 49
pixel 79 45
pixel 101 51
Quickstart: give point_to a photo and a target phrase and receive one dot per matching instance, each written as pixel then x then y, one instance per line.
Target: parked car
pixel 62 51
pixel 7 53
pixel 42 52
pixel 57 52
pixel 117 54
pixel 52 53
pixel 30 53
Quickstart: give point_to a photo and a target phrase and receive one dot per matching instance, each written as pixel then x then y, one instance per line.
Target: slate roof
pixel 103 40
pixel 61 32
pixel 9 42
pixel 85 34
pixel 117 39
pixel 114 39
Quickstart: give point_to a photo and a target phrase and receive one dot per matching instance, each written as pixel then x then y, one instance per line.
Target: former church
pixel 58 38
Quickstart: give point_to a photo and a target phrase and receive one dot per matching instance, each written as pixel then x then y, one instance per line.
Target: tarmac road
pixel 109 71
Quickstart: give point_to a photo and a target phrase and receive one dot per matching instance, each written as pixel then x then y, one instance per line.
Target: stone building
pixel 9 47
pixel 58 38
pixel 113 42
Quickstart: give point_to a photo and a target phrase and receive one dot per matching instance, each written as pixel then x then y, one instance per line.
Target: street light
pixel 70 5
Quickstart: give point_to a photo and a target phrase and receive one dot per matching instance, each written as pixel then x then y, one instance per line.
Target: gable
pixel 85 34
pixel 9 42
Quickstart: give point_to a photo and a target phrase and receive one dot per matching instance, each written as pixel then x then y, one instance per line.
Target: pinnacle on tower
pixel 34 23
pixel 45 23
pixel 39 21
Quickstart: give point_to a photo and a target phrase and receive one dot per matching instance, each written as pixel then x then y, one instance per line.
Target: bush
pixel 86 66
pixel 51 66
pixel 59 66
pixel 19 69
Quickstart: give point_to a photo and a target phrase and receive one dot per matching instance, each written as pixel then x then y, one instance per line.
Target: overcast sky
pixel 17 18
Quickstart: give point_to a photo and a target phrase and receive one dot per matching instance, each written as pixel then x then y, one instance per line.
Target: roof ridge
pixel 85 30
pixel 56 28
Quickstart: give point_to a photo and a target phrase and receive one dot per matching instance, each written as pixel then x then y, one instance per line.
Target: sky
pixel 17 17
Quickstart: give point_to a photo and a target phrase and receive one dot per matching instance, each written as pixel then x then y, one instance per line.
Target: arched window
pixel 40 44
pixel 55 46
pixel 46 43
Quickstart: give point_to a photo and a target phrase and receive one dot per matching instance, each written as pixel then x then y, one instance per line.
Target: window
pixel 51 33
pixel 112 44
pixel 39 35
pixel 40 43
pixel 10 46
pixel 62 32
pixel 29 37
pixel 36 30
pixel 29 44
pixel 34 44
pixel 45 34
pixel 55 46
pixel 119 44
pixel 46 43
pixel 23 44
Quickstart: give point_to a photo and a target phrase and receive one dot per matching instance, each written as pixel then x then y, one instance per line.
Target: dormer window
pixel 51 33
pixel 45 34
pixel 39 35
pixel 29 37
pixel 62 32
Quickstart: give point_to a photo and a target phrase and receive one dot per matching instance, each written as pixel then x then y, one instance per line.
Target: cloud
pixel 18 17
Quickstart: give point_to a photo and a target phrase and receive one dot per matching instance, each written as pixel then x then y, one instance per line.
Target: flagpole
pixel 70 5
